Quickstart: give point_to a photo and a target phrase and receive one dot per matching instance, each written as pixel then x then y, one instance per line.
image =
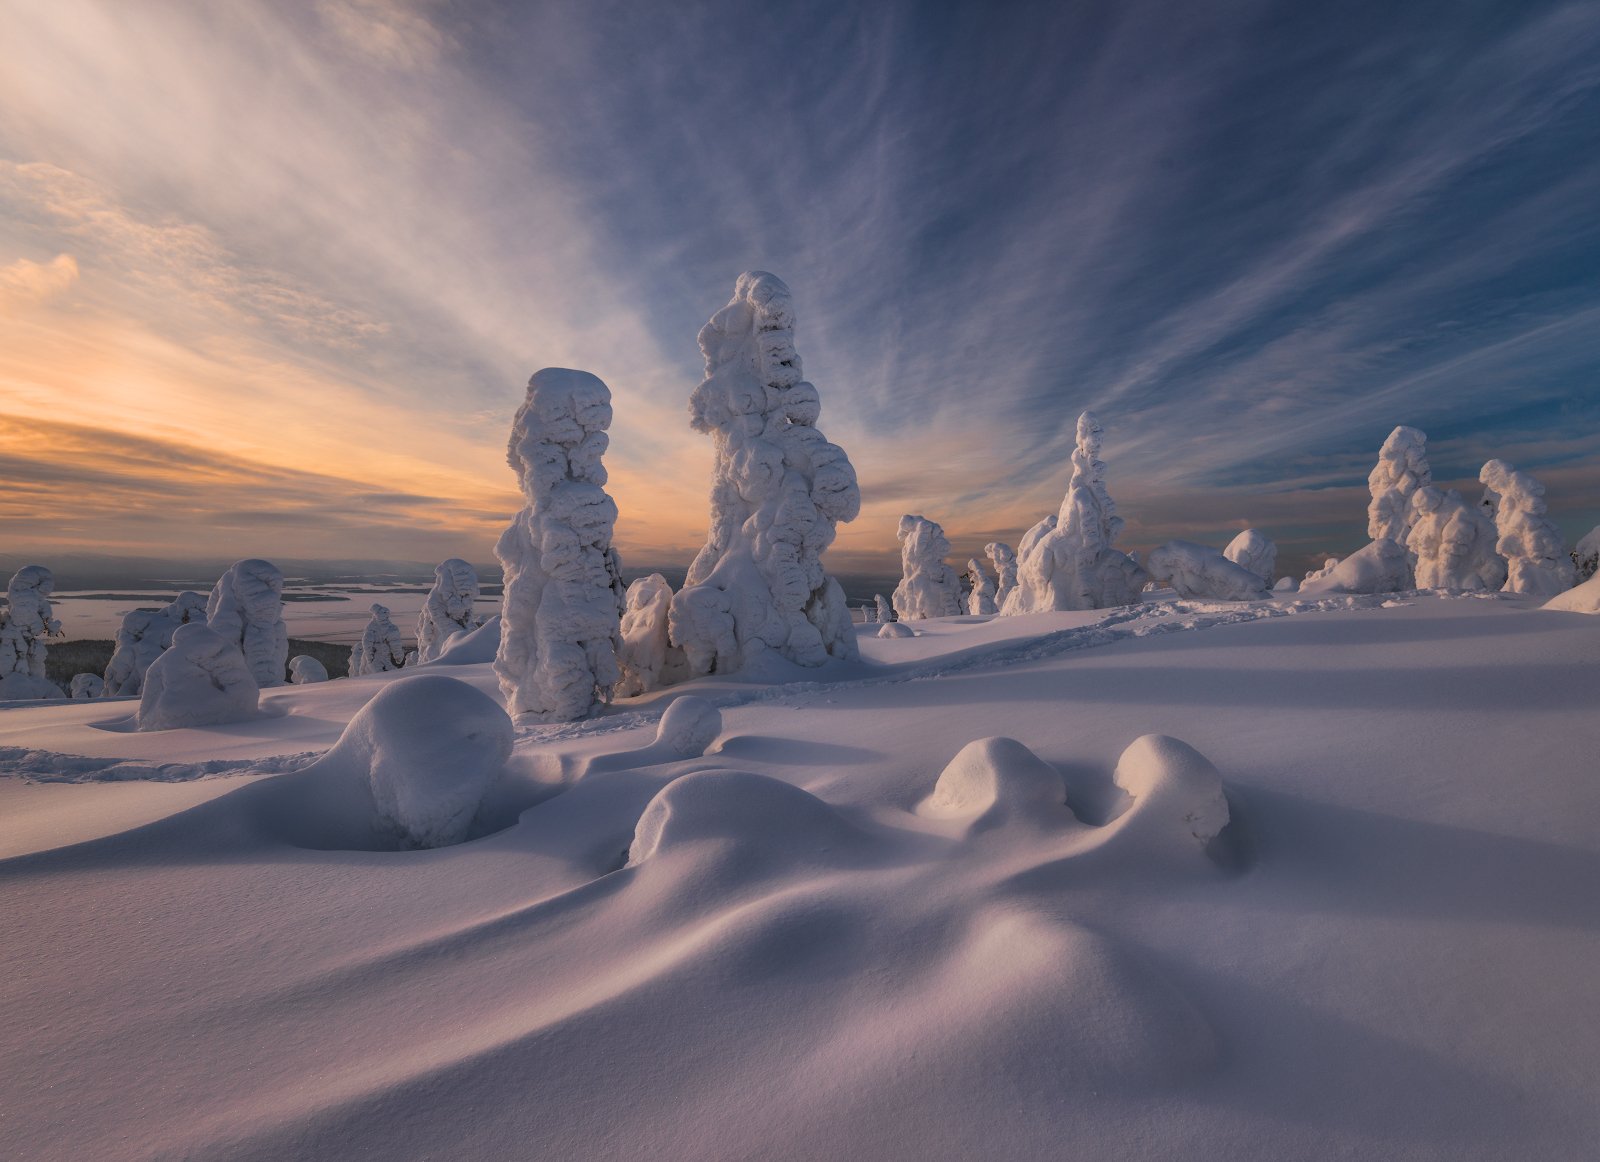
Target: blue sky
pixel 322 246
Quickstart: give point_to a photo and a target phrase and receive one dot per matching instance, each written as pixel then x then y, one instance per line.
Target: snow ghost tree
pixel 981 599
pixel 86 686
pixel 381 647
pixel 142 638
pixel 928 586
pixel 647 658
pixel 778 491
pixel 1005 570
pixel 246 606
pixel 1254 550
pixel 1453 543
pixel 1402 468
pixel 1536 557
pixel 203 680
pixel 560 617
pixel 884 609
pixel 304 669
pixel 1586 554
pixel 1068 561
pixel 1201 571
pixel 24 625
pixel 450 608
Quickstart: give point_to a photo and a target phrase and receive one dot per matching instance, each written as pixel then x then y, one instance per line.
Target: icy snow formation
pixel 143 636
pixel 202 680
pixel 884 609
pixel 994 781
pixel 1402 468
pixel 25 623
pixel 304 669
pixel 1067 561
pixel 646 657
pixel 928 586
pixel 246 606
pixel 689 727
pixel 1201 571
pixel 778 490
pixel 1536 557
pixel 1452 543
pixel 1254 550
pixel 1586 554
pixel 381 647
pixel 1380 566
pixel 561 614
pixel 1005 570
pixel 450 608
pixel 981 599
pixel 85 686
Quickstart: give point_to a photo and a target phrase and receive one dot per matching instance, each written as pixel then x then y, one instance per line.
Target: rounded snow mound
pixel 430 747
pixel 895 629
pixel 994 780
pixel 753 810
pixel 27 688
pixel 1583 599
pixel 1176 785
pixel 689 726
pixel 201 680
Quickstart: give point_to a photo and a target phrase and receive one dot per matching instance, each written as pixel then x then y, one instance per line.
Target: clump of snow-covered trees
pixel 145 634
pixel 928 585
pixel 25 624
pixel 778 491
pixel 451 607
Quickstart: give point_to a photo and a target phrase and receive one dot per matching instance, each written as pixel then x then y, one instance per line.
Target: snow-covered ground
pixel 793 947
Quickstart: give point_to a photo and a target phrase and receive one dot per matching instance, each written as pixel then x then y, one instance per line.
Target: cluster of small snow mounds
pixel 142 638
pixel 1254 550
pixel 451 607
pixel 778 491
pixel 1536 557
pixel 646 656
pixel 561 613
pixel 928 585
pixel 1200 571
pixel 203 679
pixel 980 595
pixel 1069 560
pixel 25 623
pixel 1453 543
pixel 246 607
pixel 381 647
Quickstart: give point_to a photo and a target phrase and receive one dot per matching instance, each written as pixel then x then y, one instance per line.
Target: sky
pixel 273 275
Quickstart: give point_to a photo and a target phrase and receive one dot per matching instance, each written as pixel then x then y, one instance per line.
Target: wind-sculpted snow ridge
pixel 1536 557
pixel 1402 468
pixel 1004 561
pixel 1200 571
pixel 246 607
pixel 381 647
pixel 203 680
pixel 1254 550
pixel 25 623
pixel 142 638
pixel 451 607
pixel 982 596
pixel 928 585
pixel 562 610
pixel 1069 560
pixel 1453 543
pixel 1586 554
pixel 646 657
pixel 778 491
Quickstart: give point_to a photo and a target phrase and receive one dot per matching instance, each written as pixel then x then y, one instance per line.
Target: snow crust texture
pixel 1255 551
pixel 928 587
pixel 25 623
pixel 1453 543
pixel 246 607
pixel 451 607
pixel 779 489
pixel 1069 560
pixel 142 638
pixel 561 614
pixel 202 680
pixel 1536 557
pixel 1200 571
pixel 381 647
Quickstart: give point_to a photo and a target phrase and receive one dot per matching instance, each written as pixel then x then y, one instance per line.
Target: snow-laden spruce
pixel 1254 550
pixel 928 587
pixel 1586 554
pixel 451 607
pixel 647 658
pixel 1200 571
pixel 1069 560
pixel 778 491
pixel 1452 543
pixel 27 620
pixel 304 670
pixel 381 647
pixel 1536 557
pixel 202 680
pixel 880 604
pixel 561 614
pixel 1402 468
pixel 1004 560
pixel 980 598
pixel 142 638
pixel 246 607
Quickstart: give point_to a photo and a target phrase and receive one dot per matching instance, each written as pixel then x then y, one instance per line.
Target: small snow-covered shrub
pixel 84 686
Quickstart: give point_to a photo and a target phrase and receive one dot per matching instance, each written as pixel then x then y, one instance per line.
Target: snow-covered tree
pixel 304 669
pixel 381 647
pixel 26 622
pixel 928 587
pixel 980 599
pixel 85 686
pixel 143 636
pixel 450 608
pixel 1004 561
pixel 1069 560
pixel 1452 543
pixel 1200 571
pixel 1536 556
pixel 1586 554
pixel 778 490
pixel 1379 566
pixel 246 607
pixel 1254 550
pixel 1402 468
pixel 885 610
pixel 560 617
pixel 203 680
pixel 647 657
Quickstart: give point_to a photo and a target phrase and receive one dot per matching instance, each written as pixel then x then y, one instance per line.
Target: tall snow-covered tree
pixel 980 599
pixel 1004 560
pixel 1536 557
pixel 928 587
pixel 451 607
pixel 246 607
pixel 25 624
pixel 1402 468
